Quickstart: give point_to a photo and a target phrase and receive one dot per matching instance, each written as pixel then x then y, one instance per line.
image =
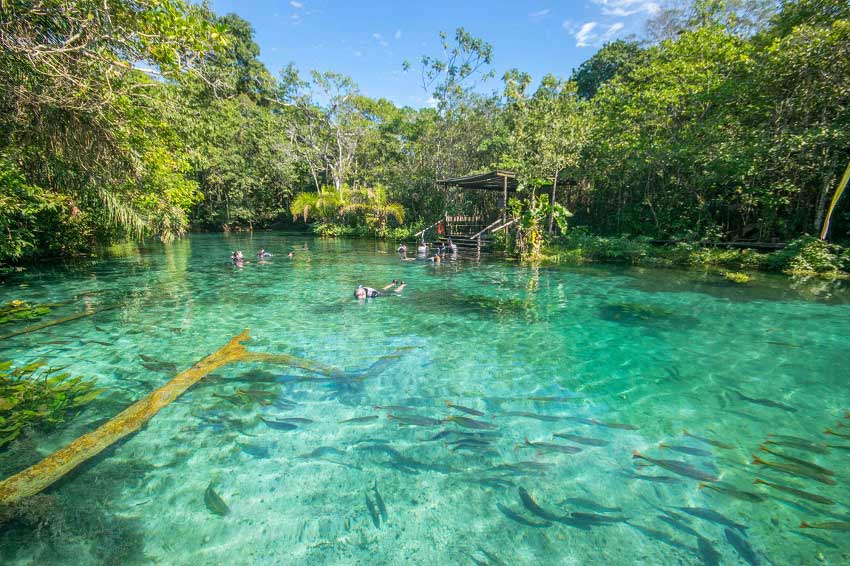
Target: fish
pixel 596 519
pixel 806 464
pixel 470 423
pixel 516 517
pixel 828 525
pixel 295 420
pixel 257 394
pixel 396 408
pixel 278 424
pixel 805 446
pixel 376 520
pixel 734 492
pixel 710 441
pixel 798 492
pixel 414 420
pixel 159 366
pixel 743 547
pixel 99 342
pixel 552 398
pixel 601 423
pixel 678 525
pixel 588 504
pixel 661 537
pixel 678 467
pixel 656 479
pixel 463 409
pixel 379 501
pixel 795 470
pixel 529 503
pixel 713 516
pixel 357 420
pixel 582 439
pixel 470 441
pixel 766 403
pixel 322 451
pixel 214 502
pixel 708 554
pixel 547 418
pixel 254 450
pixel 552 447
pixel 235 399
pixel 838 434
pixel 685 450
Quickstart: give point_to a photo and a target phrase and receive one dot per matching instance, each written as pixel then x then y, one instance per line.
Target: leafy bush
pixel 808 255
pixel 39 397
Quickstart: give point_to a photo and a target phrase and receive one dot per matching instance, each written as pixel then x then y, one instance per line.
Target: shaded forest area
pixel 729 120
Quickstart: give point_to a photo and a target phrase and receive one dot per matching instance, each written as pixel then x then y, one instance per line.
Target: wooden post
pixel 505 199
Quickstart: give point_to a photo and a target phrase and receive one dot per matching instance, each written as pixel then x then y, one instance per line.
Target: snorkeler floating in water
pixel 237 258
pixel 369 293
pixel 263 254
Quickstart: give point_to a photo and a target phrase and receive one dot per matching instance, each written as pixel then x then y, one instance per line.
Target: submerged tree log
pixel 41 475
pixel 56 321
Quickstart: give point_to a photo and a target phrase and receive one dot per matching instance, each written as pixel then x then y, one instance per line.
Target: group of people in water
pixel 395 288
pixel 363 292
pixel 238 258
pixel 422 250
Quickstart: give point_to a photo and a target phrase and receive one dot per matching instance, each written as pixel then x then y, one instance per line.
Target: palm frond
pixel 123 214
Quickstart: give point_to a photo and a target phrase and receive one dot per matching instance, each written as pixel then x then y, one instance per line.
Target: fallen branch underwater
pixel 56 321
pixel 39 476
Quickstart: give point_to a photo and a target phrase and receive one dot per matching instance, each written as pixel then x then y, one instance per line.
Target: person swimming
pixel 422 248
pixel 452 246
pixel 363 292
pixel 263 254
pixel 402 249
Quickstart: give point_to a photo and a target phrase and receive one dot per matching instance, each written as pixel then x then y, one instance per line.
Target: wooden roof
pixel 489 181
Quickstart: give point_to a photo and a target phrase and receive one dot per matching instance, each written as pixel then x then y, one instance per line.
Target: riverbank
pixel 806 256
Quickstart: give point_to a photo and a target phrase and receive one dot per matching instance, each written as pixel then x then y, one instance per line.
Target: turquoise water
pixel 657 351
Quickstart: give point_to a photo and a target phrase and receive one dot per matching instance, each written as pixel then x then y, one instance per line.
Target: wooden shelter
pixel 497 181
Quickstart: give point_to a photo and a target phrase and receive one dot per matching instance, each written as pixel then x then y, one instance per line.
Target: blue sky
pixel 369 41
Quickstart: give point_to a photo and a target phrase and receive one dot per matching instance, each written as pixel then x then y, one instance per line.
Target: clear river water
pixel 575 385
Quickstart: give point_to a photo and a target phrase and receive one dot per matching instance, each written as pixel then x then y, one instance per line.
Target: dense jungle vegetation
pixel 147 118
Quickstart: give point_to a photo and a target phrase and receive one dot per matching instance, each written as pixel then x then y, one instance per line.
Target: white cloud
pixel 397 34
pixel 358 53
pixel 623 8
pixel 431 102
pixel 539 13
pixel 380 39
pixel 585 36
pixel 590 34
pixel 296 5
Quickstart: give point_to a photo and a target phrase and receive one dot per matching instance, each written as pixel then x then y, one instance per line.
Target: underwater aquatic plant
pixel 39 397
pixel 14 311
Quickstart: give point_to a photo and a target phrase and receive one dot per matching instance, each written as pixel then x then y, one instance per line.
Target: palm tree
pixel 325 205
pixel 373 204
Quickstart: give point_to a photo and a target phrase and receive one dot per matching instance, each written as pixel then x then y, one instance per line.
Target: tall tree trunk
pixel 822 204
pixel 552 201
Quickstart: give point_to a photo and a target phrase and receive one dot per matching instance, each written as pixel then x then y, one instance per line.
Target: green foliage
pixel 809 255
pixel 618 58
pixel 14 311
pixel 35 396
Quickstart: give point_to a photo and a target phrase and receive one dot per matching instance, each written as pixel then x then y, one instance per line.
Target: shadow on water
pixel 74 518
pixel 645 314
pixel 764 287
pixel 478 305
